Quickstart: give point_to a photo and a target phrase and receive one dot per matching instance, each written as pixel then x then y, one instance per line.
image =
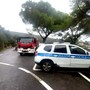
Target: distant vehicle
pixel 63 55
pixel 27 45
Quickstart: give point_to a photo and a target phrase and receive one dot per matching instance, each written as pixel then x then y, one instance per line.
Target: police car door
pixel 61 57
pixel 79 58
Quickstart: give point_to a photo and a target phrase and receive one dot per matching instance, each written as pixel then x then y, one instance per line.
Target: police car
pixel 63 55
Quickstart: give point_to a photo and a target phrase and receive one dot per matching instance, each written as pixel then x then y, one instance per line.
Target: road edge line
pixel 84 76
pixel 34 68
pixel 6 64
pixel 37 78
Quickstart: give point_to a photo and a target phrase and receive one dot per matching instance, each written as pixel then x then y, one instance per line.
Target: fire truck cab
pixel 27 45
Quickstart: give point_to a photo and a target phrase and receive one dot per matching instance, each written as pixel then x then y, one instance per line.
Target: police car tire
pixel 47 65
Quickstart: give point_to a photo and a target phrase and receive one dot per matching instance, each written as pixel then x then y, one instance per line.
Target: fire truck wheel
pixel 21 54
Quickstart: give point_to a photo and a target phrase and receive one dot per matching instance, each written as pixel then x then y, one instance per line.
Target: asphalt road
pixel 16 73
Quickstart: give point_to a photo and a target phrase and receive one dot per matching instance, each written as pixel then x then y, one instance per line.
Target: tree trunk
pixel 44 39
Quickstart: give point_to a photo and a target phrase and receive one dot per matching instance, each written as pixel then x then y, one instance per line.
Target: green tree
pixel 79 21
pixel 44 18
pixel 1 43
pixel 81 14
pixel 6 39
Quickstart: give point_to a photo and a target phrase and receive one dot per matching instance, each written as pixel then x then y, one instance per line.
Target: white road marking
pixel 34 68
pixel 40 80
pixel 6 64
pixel 84 77
pixel 45 85
pixel 35 76
pixel 29 72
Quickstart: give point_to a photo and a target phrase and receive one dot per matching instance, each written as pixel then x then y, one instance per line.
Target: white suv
pixel 63 55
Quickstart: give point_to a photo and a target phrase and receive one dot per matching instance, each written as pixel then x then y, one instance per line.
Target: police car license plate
pixel 25 50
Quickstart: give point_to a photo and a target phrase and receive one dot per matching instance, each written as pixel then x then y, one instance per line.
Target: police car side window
pixel 48 48
pixel 76 50
pixel 60 49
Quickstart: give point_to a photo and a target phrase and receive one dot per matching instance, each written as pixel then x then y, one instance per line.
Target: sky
pixel 9 13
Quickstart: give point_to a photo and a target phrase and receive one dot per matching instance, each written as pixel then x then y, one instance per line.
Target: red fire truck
pixel 27 45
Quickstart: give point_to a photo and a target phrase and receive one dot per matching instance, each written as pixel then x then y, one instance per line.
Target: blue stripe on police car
pixel 64 55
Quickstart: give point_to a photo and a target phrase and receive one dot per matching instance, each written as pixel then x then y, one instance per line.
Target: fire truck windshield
pixel 26 40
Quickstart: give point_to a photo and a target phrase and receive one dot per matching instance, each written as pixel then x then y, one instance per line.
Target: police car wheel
pixel 47 66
